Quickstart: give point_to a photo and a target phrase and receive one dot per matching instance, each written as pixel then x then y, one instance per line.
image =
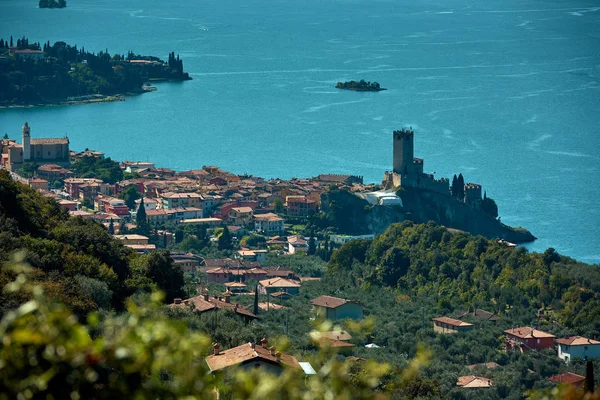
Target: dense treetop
pixel 65 72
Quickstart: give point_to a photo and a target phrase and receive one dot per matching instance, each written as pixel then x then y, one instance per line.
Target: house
pixel 178 200
pixel 218 275
pixel 38 184
pixel 73 185
pixel 297 244
pixel 241 216
pixel 251 356
pixel 447 325
pixel 132 239
pixel 568 378
pixel 273 285
pixel 111 205
pixel 577 347
pixel 67 204
pixel 182 213
pixel 204 303
pixel 300 206
pixel 333 308
pixel 236 287
pixel 268 223
pixel 28 54
pixel 527 338
pixel 480 315
pixel 53 172
pixel 188 262
pixel 155 216
pixel 149 204
pixel 474 382
pixel 252 255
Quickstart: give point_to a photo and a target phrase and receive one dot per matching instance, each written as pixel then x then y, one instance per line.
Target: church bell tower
pixel 26 131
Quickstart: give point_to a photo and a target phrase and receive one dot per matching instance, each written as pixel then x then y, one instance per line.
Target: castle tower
pixel 26 131
pixel 403 152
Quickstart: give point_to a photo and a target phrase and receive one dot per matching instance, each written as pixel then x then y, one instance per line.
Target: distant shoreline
pixel 96 99
pixel 104 99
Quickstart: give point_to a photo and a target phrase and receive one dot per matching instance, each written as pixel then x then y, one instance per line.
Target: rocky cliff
pixel 353 215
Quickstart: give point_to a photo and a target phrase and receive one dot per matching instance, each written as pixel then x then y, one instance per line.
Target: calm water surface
pixel 505 92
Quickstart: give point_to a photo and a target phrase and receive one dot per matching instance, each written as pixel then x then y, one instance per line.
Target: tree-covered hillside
pixel 460 270
pixel 75 260
pixel 65 72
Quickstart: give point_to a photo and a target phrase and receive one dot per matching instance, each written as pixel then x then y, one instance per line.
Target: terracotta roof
pixel 278 282
pixel 50 141
pixel 246 353
pixel 577 341
pixel 219 270
pixel 235 285
pixel 244 210
pixel 199 304
pixel 268 217
pixel 330 302
pixel 526 332
pixel 451 321
pixel 474 382
pixel 567 377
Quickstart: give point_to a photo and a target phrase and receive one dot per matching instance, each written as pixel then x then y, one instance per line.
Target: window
pixel 538 341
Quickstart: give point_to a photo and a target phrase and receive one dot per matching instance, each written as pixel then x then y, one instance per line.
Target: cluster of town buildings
pixel 214 198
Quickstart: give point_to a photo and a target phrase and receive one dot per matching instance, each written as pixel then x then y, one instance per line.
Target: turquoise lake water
pixel 506 92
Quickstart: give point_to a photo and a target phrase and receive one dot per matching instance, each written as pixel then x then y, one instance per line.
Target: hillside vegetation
pixel 403 278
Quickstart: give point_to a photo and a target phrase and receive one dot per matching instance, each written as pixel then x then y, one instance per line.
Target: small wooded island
pixel 360 86
pixel 52 4
pixel 45 74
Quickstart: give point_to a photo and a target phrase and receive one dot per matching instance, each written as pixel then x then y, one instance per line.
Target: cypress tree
pixel 141 219
pixel 224 242
pixel 11 41
pixel 111 227
pixel 589 377
pixel 256 300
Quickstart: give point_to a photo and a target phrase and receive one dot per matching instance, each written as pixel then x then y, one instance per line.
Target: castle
pixel 407 171
pixel 39 151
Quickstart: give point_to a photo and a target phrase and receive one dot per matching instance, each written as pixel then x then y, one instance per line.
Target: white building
pixel 149 204
pixel 578 347
pixel 268 223
pixel 343 239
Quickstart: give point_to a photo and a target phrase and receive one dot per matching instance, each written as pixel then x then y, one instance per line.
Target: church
pixel 39 151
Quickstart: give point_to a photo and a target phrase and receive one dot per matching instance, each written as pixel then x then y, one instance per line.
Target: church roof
pixel 50 141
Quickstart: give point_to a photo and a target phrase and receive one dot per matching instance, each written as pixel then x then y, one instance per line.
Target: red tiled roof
pixel 330 302
pixel 526 332
pixel 245 353
pixel 577 341
pixel 568 377
pixel 199 304
pixel 278 282
pixel 474 382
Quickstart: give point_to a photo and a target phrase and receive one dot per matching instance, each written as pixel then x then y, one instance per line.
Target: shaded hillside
pixel 75 260
pixel 353 215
